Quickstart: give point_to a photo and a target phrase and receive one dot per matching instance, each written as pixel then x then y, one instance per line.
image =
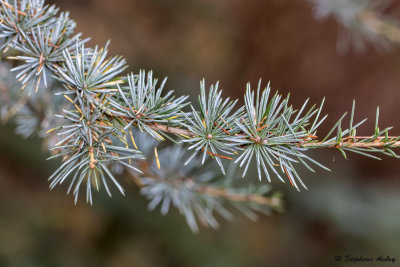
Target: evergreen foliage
pixel 110 124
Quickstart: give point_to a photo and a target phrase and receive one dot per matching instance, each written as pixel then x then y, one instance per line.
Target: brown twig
pixel 273 202
pixel 171 130
pixel 308 144
pixel 224 193
pixel 374 144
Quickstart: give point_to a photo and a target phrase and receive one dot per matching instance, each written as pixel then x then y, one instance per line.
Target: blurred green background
pixel 355 210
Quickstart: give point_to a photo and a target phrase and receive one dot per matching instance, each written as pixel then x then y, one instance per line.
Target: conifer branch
pixel 220 192
pixel 103 113
pixel 352 141
pixel 365 21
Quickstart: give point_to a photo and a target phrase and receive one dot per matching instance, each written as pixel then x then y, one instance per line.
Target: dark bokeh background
pixel 355 210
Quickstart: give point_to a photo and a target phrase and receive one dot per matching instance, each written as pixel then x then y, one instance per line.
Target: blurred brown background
pixel 355 210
